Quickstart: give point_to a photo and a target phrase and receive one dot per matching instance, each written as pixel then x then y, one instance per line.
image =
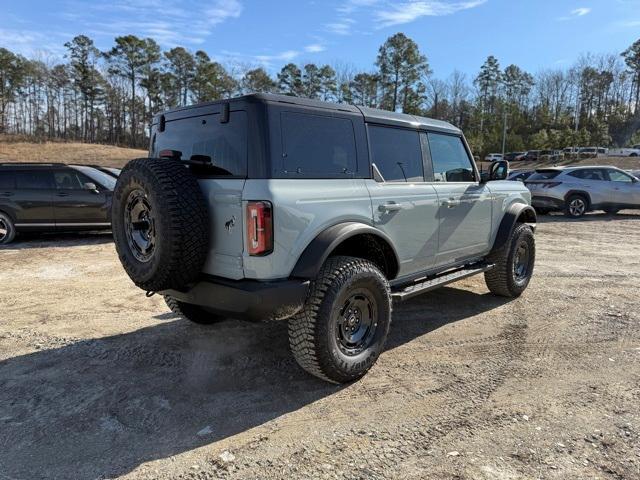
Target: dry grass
pixel 106 155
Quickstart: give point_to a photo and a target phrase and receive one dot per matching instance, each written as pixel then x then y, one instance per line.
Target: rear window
pixel 544 175
pixel 396 153
pixel 7 181
pixel 38 180
pixel 224 143
pixel 317 145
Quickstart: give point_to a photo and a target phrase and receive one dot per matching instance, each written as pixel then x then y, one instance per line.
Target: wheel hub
pixel 521 262
pixel 4 229
pixel 140 226
pixel 356 322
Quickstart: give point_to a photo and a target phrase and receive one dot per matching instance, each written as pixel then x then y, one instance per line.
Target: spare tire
pixel 160 223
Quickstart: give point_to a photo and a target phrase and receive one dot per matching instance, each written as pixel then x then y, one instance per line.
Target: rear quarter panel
pixel 301 210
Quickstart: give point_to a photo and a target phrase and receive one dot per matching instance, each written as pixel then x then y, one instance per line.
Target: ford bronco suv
pixel 273 207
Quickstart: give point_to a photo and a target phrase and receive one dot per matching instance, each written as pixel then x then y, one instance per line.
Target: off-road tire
pixel 501 279
pixel 8 229
pixel 313 335
pixel 568 204
pixel 180 223
pixel 195 313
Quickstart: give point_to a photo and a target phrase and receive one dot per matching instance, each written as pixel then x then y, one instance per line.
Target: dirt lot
pixel 97 381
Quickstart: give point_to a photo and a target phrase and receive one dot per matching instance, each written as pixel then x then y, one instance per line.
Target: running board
pixel 439 281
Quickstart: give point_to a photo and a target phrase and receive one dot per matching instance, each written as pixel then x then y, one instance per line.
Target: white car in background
pixel 493 157
pixel 625 152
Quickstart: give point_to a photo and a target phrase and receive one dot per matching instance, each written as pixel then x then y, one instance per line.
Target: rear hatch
pixel 214 147
pixel 544 178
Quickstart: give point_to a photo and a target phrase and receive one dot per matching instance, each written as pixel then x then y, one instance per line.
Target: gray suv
pixel 577 190
pixel 273 207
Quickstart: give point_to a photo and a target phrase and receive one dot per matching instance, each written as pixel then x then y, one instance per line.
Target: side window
pixel 224 143
pixel 589 174
pixel 396 153
pixel 33 180
pixel 616 176
pixel 316 145
pixel 68 180
pixel 7 181
pixel 451 162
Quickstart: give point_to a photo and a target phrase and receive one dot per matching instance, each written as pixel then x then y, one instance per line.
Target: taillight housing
pixel 259 223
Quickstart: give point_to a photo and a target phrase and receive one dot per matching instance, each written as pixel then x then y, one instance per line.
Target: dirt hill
pixel 106 155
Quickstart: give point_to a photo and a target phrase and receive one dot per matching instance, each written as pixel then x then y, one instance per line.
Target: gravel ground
pixel 97 381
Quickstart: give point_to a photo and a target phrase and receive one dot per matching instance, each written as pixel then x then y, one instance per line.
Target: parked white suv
pixel 493 157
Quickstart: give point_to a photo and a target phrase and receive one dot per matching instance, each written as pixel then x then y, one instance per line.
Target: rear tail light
pixel 259 228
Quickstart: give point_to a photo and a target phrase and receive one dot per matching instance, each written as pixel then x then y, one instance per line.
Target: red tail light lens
pixel 259 228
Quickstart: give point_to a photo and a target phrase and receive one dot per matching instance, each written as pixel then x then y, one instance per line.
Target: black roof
pixel 371 115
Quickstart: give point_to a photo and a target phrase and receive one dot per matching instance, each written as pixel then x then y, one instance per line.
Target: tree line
pixel 110 96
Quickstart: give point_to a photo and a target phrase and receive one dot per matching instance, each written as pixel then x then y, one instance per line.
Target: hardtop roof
pixel 371 115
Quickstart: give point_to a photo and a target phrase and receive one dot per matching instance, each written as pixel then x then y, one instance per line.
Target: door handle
pixel 390 207
pixel 451 203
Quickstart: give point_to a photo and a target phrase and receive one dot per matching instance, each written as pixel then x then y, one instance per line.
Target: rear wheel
pixel 343 327
pixel 576 206
pixel 7 229
pixel 195 313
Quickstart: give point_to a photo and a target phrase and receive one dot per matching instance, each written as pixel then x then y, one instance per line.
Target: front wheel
pixel 513 264
pixel 343 327
pixel 195 313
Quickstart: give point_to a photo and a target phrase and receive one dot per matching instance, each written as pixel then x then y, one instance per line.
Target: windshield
pixel 104 179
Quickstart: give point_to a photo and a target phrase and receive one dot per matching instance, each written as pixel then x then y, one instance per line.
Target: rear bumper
pixel 542 201
pixel 246 299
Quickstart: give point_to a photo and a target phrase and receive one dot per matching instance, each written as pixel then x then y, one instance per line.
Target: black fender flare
pixel 509 221
pixel 10 213
pixel 313 257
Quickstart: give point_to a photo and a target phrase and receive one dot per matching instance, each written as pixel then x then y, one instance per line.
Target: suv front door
pixel 74 204
pixel 465 204
pixel 405 207
pixel 625 191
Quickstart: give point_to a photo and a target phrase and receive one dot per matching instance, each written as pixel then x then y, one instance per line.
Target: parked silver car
pixel 577 190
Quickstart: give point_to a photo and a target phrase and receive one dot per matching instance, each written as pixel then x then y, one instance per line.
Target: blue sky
pixel 454 34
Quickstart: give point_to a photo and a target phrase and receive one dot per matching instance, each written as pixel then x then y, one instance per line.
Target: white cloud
pixel 406 12
pixel 580 12
pixel 340 27
pixel 576 12
pixel 314 48
pixel 286 56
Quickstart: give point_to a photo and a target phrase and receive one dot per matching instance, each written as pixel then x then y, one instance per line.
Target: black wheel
pixel 195 313
pixel 7 229
pixel 343 327
pixel 633 155
pixel 576 206
pixel 514 264
pixel 160 224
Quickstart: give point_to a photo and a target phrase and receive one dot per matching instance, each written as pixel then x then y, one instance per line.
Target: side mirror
pixel 90 186
pixel 499 170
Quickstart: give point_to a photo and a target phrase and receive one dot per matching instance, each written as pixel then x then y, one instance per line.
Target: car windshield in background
pixel 544 175
pixel 104 179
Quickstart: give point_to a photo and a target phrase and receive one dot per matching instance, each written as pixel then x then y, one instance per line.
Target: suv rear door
pixel 465 204
pixel 33 197
pixel 405 207
pixel 225 143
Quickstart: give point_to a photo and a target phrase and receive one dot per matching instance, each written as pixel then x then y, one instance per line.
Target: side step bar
pixel 439 281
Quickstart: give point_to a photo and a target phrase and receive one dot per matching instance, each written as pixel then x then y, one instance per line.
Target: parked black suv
pixel 53 197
